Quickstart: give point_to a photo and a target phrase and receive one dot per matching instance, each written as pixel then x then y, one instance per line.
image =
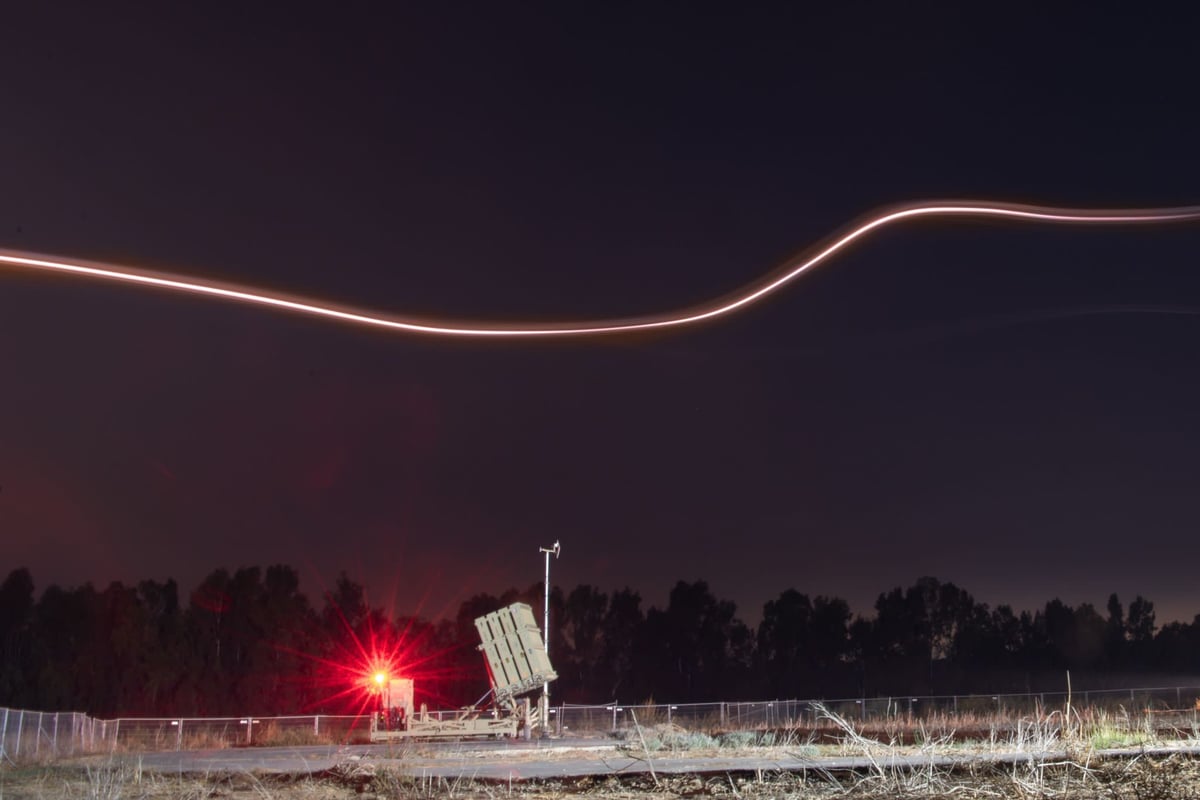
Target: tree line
pixel 249 642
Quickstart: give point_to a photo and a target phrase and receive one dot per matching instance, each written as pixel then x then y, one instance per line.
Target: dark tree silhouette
pixel 16 617
pixel 785 643
pixel 250 642
pixel 696 648
pixel 1115 635
pixel 1141 630
pixel 621 629
pixel 581 643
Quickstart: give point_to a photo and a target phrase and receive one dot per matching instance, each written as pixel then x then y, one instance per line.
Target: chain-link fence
pixel 35 735
pixel 30 735
pixel 217 732
pixel 44 736
pixel 775 714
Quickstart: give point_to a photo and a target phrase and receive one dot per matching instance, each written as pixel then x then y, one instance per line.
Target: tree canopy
pixel 251 642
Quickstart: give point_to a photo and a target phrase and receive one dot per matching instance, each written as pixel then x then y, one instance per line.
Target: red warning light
pixel 356 669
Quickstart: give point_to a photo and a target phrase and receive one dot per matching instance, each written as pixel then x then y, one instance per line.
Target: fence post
pixel 316 725
pixel 722 713
pixel 20 725
pixel 55 740
pixel 179 736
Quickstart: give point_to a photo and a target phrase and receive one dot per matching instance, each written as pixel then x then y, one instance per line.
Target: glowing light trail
pixel 736 301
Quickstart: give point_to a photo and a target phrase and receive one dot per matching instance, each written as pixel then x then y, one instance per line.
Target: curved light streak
pixel 736 301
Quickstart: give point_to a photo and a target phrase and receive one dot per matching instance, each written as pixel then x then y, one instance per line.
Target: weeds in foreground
pixel 1061 778
pixel 669 739
pixel 1047 756
pixel 112 780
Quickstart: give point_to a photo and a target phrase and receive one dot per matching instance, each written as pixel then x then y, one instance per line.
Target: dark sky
pixel 1008 407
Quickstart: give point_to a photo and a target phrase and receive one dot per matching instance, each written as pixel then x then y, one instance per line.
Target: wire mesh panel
pixel 178 734
pixel 696 716
pixel 317 729
pixel 218 732
pixel 38 735
pixel 35 735
pixel 585 719
pixel 13 726
pixel 982 709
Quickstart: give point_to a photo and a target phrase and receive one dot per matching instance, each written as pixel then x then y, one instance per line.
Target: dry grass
pixel 272 734
pixel 1143 778
pixel 1052 754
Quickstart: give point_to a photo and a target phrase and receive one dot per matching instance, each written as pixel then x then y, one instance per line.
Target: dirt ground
pixel 1135 778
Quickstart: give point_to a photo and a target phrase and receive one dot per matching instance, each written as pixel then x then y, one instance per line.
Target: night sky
pixel 1009 407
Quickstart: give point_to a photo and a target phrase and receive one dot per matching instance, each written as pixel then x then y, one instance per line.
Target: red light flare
pixel 358 664
pixel 704 312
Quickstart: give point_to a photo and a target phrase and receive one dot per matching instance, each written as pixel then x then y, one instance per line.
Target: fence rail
pixel 803 713
pixel 37 735
pixel 48 735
